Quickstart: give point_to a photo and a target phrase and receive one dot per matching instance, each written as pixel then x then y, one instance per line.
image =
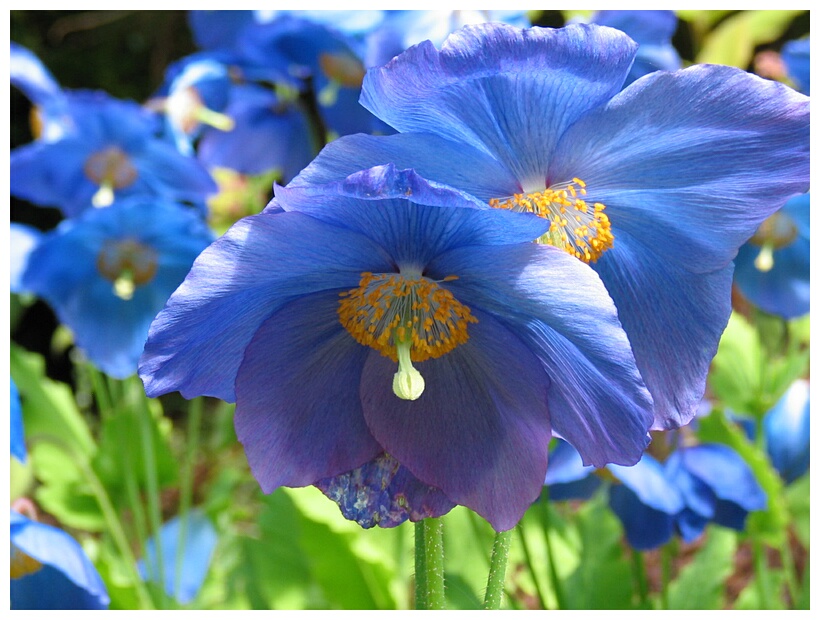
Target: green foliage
pixel 700 585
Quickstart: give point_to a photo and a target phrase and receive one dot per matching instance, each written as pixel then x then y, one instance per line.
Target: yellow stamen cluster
pixel 582 230
pixel 22 564
pixel 128 264
pixel 389 310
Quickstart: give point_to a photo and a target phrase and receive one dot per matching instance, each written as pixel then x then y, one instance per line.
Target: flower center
pixel 408 318
pixel 580 229
pixel 127 264
pixel 22 565
pixel 111 169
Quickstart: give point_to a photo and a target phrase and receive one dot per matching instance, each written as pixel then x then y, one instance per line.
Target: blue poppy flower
pixel 786 428
pixel 198 548
pixel 664 179
pixel 112 153
pixel 109 271
pixel 22 241
pixel 301 314
pixel 50 570
pixel 716 484
pixel 796 56
pixel 18 442
pixel 772 269
pixel 652 31
pixel 646 502
pixel 268 133
pixel 567 476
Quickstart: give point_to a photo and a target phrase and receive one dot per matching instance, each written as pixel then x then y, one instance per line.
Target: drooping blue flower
pixel 772 269
pixel 18 441
pixel 646 502
pixel 652 31
pixel 669 176
pixel 107 272
pixel 796 56
pixel 268 133
pixel 716 485
pixel 786 428
pixel 50 570
pixel 198 549
pixel 112 152
pixel 302 314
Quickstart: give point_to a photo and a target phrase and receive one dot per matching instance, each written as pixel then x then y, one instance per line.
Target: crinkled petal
pixel 674 320
pixel 690 163
pixel 402 212
pixel 558 306
pixel 431 156
pixel 298 413
pixel 67 580
pixel 480 430
pixel 383 492
pixel 198 340
pixel 506 91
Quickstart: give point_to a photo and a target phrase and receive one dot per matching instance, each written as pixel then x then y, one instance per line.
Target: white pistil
pixel 765 259
pixel 104 196
pixel 408 383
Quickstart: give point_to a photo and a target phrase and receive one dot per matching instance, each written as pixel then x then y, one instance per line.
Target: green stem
pixel 761 574
pixel 112 520
pixel 667 553
pixel 100 392
pixel 430 564
pixel 790 569
pixel 186 486
pixel 640 579
pixel 152 483
pixel 542 598
pixel 556 581
pixel 498 571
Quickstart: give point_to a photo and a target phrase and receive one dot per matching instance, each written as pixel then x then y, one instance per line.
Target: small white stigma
pixel 765 259
pixel 104 196
pixel 408 384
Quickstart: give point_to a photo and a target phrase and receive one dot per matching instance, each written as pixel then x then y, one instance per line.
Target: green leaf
pixel 798 500
pixel 49 409
pixel 750 597
pixel 603 579
pixel 701 584
pixel 733 41
pixel 735 377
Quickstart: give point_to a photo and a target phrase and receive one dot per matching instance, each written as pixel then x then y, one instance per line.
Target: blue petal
pixel 645 527
pixel 198 547
pixel 383 492
pixel 479 431
pixel 726 473
pixel 198 340
pixel 168 173
pixel 17 435
pixel 674 320
pixel 22 241
pixel 690 524
pixel 690 163
pixel 503 90
pixel 643 27
pixel 68 579
pixel 558 306
pixel 566 465
pixel 30 75
pixel 646 479
pixel 787 432
pixel 431 156
pixel 400 211
pixel 298 412
pixel 796 55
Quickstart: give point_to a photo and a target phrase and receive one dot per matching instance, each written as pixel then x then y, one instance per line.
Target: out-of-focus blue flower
pixel 112 153
pixel 198 548
pixel 567 476
pixel 786 428
pixel 268 133
pixel 194 96
pixel 49 569
pixel 109 271
pixel 302 314
pixel 383 492
pixel 716 484
pixel 652 31
pixel 664 180
pixel 647 503
pixel 18 441
pixel 772 269
pixel 796 56
pixel 22 240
